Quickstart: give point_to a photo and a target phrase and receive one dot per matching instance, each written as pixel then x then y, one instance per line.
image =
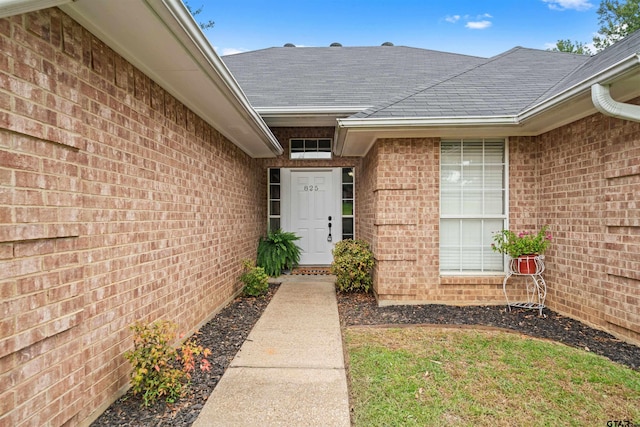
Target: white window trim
pixel 329 154
pixel 504 217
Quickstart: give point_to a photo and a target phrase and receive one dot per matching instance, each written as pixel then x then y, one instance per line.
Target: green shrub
pixel 255 280
pixel 278 251
pixel 352 264
pixel 159 369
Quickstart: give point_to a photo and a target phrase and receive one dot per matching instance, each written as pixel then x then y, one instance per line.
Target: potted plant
pixel 523 247
pixel 278 251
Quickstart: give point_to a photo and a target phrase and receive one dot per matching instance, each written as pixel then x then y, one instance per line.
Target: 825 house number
pixel 311 188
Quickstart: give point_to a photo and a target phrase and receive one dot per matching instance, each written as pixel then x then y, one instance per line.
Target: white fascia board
pixel 202 44
pixel 413 122
pixel 17 7
pixel 195 61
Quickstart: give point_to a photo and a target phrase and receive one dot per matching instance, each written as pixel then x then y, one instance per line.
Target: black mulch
pixel 361 309
pixel 224 336
pixel 226 332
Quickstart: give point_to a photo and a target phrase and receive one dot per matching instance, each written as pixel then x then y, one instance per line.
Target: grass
pixel 435 377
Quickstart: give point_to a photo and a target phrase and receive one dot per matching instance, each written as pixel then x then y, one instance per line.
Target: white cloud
pixel 478 25
pixel 569 4
pixel 478 22
pixel 453 18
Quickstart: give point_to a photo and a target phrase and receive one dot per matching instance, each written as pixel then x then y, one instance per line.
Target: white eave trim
pixel 604 77
pixel 17 7
pixel 413 122
pixel 216 97
pixel 191 28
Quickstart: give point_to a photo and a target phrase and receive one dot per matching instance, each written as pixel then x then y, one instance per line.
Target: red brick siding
pixel 116 204
pixel 366 184
pixel 589 176
pixel 582 180
pixel 404 200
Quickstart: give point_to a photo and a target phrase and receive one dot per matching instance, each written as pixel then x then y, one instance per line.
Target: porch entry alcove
pixel 315 203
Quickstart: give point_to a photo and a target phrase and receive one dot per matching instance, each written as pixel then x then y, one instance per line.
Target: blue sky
pixel 474 27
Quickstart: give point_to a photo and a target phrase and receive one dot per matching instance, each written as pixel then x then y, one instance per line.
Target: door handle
pixel 329 237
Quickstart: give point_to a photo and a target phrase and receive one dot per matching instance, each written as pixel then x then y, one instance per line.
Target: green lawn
pixel 443 377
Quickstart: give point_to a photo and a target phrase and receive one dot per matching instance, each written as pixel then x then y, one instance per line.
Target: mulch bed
pixel 361 309
pixel 223 335
pixel 226 332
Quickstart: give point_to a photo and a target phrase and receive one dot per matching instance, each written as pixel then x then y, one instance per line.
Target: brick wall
pixel 582 180
pixel 589 181
pixel 401 215
pixel 117 204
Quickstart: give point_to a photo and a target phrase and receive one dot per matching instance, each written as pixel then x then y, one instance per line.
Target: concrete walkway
pixel 290 370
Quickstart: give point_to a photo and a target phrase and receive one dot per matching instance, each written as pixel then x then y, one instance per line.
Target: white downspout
pixel 603 102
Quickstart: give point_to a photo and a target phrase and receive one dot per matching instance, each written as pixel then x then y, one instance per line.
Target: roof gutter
pixel 603 102
pixel 412 122
pixel 191 28
pixel 605 76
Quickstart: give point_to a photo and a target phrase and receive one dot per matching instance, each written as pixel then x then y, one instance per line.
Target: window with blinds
pixel 473 185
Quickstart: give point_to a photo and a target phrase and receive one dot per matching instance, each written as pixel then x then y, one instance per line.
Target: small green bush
pixel 278 251
pixel 352 264
pixel 255 280
pixel 159 369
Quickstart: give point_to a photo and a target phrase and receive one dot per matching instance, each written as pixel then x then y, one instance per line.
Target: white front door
pixel 312 206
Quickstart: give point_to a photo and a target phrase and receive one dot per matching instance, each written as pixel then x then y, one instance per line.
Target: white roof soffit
pixel 354 137
pixel 160 38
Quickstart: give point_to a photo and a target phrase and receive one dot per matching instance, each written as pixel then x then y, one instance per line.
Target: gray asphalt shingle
pixel 398 81
pixel 503 85
pixel 339 76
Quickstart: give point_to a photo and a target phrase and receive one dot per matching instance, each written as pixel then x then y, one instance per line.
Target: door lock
pixel 329 238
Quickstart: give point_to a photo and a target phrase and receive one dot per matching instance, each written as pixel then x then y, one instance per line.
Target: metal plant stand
pixel 536 288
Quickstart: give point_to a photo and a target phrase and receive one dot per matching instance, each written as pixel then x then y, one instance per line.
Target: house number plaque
pixel 311 188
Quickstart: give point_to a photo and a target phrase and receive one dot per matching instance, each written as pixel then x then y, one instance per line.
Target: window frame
pixel 274 220
pixel 504 217
pixel 343 200
pixel 319 154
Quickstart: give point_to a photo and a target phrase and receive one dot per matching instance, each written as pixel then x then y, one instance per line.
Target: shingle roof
pixel 339 76
pixel 394 82
pixel 503 85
